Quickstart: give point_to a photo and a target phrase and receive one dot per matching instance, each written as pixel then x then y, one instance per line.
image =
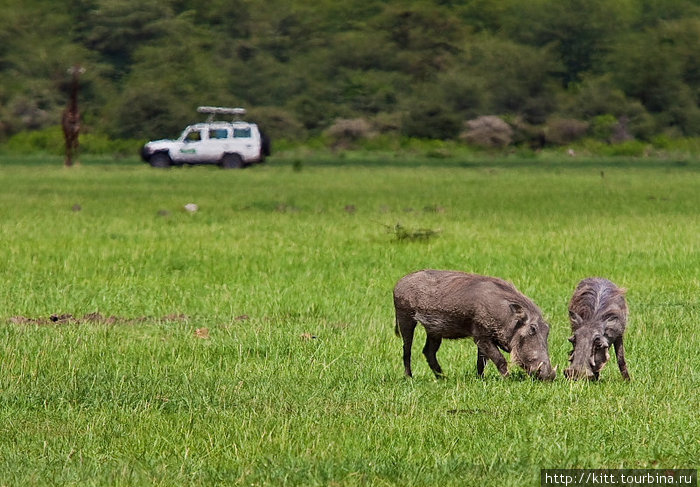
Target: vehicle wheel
pixel 231 161
pixel 265 144
pixel 160 159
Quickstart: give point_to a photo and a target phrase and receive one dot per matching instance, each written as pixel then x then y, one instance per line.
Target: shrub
pixel 48 140
pixel 346 131
pixel 630 148
pixel 100 144
pixel 314 113
pixel 525 133
pixel 683 144
pixel 603 127
pixel 278 123
pixel 562 131
pixel 387 122
pixel 488 131
pixel 430 121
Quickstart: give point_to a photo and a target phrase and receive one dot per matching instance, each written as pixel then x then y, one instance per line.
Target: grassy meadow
pixel 251 342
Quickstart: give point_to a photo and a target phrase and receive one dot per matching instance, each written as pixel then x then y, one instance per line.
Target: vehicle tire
pixel 160 160
pixel 265 144
pixel 232 161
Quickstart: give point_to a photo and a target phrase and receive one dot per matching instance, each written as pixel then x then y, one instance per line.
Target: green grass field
pixel 252 342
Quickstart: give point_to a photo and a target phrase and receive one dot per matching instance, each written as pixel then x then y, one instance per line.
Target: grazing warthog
pixel 451 304
pixel 598 315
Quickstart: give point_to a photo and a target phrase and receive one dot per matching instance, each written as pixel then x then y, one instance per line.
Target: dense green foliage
pixel 420 68
pixel 298 378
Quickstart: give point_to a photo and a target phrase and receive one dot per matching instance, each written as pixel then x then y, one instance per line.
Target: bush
pixel 681 144
pixel 562 131
pixel 488 131
pixel 344 132
pixel 314 113
pixel 430 121
pixel 100 144
pixel 525 133
pixel 603 127
pixel 278 123
pixel 630 148
pixel 48 141
pixel 387 123
pixel 26 113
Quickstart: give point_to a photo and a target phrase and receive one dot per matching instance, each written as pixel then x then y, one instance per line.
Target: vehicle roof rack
pixel 213 111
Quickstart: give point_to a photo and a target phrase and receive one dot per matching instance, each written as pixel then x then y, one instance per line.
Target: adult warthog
pixel 598 314
pixel 451 304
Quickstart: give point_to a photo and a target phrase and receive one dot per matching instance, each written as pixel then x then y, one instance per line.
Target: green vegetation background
pixel 416 68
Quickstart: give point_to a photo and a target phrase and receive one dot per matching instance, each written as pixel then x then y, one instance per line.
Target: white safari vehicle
pixel 233 144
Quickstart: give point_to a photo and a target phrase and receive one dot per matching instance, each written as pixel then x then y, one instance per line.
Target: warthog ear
pixel 520 314
pixel 518 311
pixel 610 317
pixel 575 318
pixel 601 342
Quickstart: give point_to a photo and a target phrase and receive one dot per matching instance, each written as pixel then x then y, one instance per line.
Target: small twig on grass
pixel 404 234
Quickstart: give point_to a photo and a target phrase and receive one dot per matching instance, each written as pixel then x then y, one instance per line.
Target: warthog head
pixel 590 353
pixel 529 344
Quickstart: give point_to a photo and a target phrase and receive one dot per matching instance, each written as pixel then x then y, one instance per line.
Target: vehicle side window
pixel 193 136
pixel 242 133
pixel 218 133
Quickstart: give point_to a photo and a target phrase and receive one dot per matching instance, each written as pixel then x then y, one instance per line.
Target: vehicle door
pixel 245 142
pixel 193 146
pixel 217 145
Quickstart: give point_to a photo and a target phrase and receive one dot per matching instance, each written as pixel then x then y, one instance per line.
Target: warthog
pixel 451 304
pixel 598 315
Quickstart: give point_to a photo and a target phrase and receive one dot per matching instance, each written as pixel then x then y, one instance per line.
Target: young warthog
pixel 451 304
pixel 598 315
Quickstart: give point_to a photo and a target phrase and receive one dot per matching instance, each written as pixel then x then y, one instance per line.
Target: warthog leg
pixel 481 361
pixel 432 345
pixel 620 354
pixel 405 326
pixel 489 349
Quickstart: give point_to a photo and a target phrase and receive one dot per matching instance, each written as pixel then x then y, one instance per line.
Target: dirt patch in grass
pixel 91 318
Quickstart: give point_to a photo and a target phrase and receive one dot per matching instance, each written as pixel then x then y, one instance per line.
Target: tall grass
pixel 254 342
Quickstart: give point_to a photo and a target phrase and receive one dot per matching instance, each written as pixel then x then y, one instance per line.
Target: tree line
pixel 419 68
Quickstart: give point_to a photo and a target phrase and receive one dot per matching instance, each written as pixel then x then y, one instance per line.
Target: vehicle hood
pixel 161 144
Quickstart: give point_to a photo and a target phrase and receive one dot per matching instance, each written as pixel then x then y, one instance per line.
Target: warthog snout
pixel 590 354
pixel 531 352
pixel 546 372
pixel 579 373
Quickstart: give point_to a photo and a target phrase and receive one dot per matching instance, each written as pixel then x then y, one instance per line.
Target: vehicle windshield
pixel 191 135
